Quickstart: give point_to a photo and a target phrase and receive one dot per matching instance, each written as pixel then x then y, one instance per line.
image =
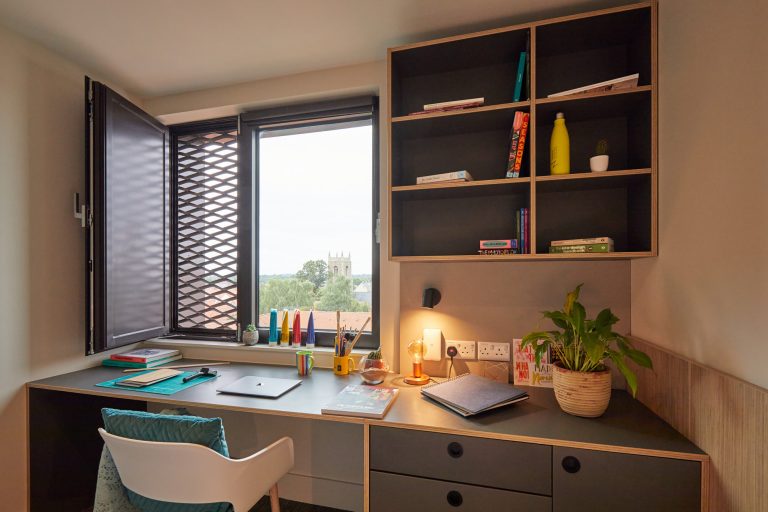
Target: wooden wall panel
pixel 726 417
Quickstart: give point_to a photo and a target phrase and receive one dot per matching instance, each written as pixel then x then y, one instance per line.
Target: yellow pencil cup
pixel 342 365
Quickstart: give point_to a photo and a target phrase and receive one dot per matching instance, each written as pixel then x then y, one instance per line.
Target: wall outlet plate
pixel 466 349
pixel 492 351
pixel 433 342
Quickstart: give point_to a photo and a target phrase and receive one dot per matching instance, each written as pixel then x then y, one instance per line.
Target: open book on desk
pixel 469 394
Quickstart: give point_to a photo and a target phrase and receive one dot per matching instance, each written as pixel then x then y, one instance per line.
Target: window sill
pixel 228 351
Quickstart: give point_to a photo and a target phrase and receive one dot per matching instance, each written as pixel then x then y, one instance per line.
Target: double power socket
pixel 486 351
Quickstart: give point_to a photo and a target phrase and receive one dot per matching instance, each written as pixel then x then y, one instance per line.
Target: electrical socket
pixel 491 351
pixel 466 348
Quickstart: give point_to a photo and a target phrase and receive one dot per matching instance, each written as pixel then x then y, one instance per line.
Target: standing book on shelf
pixel 520 76
pixel 517 144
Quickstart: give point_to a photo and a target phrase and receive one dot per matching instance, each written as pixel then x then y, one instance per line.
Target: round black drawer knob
pixel 571 464
pixel 454 498
pixel 455 450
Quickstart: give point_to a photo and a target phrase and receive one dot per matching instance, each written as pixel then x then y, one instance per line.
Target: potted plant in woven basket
pixel 581 380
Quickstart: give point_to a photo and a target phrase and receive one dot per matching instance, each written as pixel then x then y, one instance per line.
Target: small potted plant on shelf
pixel 581 380
pixel 599 162
pixel 250 335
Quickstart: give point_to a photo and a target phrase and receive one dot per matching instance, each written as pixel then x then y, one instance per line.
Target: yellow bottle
pixel 559 148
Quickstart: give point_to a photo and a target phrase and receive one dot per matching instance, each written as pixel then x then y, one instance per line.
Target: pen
pixel 202 373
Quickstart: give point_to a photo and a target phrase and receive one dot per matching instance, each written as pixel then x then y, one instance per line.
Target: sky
pixel 315 198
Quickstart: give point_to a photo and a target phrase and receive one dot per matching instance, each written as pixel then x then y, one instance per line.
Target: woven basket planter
pixel 581 393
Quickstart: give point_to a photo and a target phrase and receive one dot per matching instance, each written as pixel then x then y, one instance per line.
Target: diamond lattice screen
pixel 207 230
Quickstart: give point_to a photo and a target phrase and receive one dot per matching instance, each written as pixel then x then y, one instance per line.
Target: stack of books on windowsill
pixel 142 358
pixel 581 245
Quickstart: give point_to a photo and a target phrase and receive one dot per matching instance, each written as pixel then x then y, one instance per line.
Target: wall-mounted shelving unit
pixel 445 221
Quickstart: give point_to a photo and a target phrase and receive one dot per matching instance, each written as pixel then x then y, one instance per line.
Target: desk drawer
pixel 399 493
pixel 502 464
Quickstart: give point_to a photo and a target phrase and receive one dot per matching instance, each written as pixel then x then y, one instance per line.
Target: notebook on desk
pixel 471 394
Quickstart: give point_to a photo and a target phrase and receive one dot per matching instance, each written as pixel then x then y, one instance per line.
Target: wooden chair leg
pixel 274 499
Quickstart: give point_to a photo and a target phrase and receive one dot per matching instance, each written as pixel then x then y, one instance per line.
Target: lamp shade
pixel 431 298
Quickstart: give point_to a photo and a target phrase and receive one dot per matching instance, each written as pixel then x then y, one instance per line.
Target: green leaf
pixel 571 298
pixel 558 318
pixel 594 347
pixel 605 318
pixel 628 374
pixel 640 358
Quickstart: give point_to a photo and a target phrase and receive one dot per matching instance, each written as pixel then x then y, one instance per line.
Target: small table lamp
pixel 416 351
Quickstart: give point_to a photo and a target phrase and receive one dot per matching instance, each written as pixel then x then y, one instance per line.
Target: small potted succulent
pixel 373 368
pixel 599 162
pixel 251 335
pixel 581 380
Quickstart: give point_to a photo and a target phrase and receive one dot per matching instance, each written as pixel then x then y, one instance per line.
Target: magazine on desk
pixel 363 401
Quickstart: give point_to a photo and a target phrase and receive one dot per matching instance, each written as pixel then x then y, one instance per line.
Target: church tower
pixel 340 265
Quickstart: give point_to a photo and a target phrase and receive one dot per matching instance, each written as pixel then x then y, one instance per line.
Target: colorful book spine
pixel 446 176
pixel 520 75
pixel 498 244
pixel 517 144
pixel 582 241
pixel 564 249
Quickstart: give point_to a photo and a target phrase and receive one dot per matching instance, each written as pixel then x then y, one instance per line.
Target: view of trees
pixel 310 287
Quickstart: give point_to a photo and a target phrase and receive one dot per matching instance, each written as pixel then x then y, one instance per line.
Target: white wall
pixel 706 295
pixel 41 245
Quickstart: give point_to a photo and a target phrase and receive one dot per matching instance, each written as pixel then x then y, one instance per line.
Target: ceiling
pixel 158 47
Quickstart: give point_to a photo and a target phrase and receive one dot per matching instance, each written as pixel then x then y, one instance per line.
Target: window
pixel 291 225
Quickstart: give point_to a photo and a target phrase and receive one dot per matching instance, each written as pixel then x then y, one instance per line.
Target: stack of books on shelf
pixel 498 247
pixel 517 144
pixel 446 177
pixel 581 245
pixel 447 106
pixel 142 358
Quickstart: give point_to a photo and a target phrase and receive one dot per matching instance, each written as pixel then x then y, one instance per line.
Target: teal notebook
pixel 165 387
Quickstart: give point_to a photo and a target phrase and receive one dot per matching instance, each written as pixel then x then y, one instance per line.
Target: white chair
pixel 191 473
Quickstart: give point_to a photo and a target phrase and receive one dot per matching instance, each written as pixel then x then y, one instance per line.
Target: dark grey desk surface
pixel 627 426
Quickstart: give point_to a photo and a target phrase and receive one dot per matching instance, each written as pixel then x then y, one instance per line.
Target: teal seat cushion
pixel 146 426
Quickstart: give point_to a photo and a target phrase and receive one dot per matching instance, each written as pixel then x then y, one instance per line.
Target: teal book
pixel 520 74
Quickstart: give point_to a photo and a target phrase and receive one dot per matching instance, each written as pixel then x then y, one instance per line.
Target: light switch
pixel 433 344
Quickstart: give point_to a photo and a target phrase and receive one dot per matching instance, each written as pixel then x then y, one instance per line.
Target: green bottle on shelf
pixel 559 147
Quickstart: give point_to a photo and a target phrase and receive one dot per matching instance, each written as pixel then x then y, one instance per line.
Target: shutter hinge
pixel 81 211
pixel 378 228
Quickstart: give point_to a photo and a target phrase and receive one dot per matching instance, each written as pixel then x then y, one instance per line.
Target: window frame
pixel 307 114
pixel 249 126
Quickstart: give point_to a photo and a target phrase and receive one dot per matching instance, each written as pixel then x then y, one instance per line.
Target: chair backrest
pixel 190 473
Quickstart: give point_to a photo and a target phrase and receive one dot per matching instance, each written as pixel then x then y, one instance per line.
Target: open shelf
pixel 478 143
pixel 624 120
pixel 445 221
pixel 456 69
pixel 593 49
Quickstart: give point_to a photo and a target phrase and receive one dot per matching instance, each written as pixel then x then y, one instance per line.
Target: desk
pixel 65 409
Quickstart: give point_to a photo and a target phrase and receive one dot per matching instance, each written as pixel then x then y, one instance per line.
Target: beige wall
pixel 706 295
pixel 41 244
pixel 502 301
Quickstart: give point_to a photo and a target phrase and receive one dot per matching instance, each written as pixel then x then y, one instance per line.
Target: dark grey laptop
pixel 267 387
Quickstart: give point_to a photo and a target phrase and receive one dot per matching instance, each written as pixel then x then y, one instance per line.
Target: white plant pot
pixel 250 337
pixel 598 163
